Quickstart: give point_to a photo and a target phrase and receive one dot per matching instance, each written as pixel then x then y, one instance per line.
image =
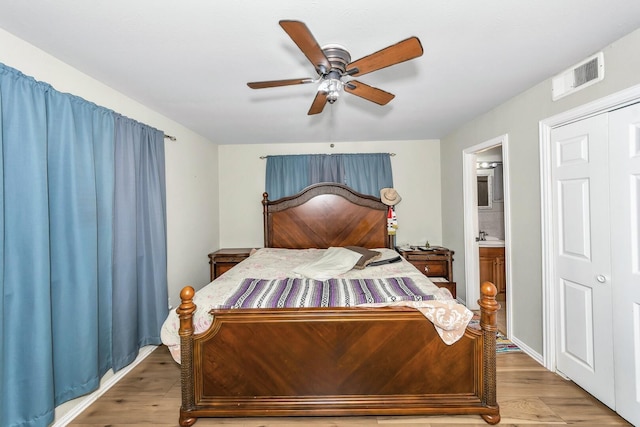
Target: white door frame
pixel 608 103
pixel 469 189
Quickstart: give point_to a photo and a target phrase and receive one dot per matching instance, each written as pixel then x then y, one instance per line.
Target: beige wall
pixel 519 118
pixel 191 162
pixel 416 175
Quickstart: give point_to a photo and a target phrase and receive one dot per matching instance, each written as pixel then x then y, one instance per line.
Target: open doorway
pixel 486 217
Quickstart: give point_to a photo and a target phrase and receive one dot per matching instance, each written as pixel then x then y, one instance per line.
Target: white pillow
pixel 333 262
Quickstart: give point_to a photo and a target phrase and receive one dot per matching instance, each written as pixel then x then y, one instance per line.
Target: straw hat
pixel 389 196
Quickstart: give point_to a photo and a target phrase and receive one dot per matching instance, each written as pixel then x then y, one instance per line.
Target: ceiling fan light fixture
pixel 332 88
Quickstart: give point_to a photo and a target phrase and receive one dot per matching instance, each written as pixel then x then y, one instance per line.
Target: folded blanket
pixel 449 318
pixel 301 292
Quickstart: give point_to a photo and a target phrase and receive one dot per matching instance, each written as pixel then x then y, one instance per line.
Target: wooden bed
pixel 333 361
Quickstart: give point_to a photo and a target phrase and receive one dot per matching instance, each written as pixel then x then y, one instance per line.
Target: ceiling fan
pixel 333 62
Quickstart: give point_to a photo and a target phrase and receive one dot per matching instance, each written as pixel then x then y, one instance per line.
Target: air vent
pixel 581 75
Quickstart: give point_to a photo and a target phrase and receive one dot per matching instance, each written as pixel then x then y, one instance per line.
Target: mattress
pixel 449 317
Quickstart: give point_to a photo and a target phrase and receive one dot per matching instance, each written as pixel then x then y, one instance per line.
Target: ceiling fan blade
pixel 301 35
pixel 369 93
pixel 394 54
pixel 275 83
pixel 318 103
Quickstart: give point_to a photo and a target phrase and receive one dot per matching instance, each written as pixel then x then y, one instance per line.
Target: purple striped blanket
pixel 300 292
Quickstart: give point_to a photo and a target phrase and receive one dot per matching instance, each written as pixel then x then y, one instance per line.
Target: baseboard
pixel 80 404
pixel 528 350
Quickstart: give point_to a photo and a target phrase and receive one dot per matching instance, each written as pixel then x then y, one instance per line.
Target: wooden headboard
pixel 325 215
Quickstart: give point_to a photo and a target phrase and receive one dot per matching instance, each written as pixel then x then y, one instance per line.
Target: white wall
pixel 191 162
pixel 519 118
pixel 416 177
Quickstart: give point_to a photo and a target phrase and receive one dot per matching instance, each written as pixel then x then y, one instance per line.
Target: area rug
pixel 503 345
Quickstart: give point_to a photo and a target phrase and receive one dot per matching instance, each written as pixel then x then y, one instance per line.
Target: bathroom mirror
pixel 485 188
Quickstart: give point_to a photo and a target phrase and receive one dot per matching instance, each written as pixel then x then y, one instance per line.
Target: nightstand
pixel 224 259
pixel 435 263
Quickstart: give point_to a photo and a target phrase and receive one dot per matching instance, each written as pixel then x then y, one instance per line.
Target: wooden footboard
pixel 334 362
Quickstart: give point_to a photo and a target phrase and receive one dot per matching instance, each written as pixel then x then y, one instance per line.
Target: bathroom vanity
pixel 492 266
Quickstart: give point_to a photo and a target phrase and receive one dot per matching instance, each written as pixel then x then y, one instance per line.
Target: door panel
pixel 582 253
pixel 573 217
pixel 577 323
pixel 625 216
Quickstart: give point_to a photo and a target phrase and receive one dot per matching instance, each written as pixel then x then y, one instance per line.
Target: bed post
pixel 266 234
pixel 185 313
pixel 391 241
pixel 489 325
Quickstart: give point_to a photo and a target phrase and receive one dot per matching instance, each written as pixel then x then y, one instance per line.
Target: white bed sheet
pixel 272 263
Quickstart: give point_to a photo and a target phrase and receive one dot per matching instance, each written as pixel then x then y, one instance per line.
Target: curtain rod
pixel 264 157
pixel 172 138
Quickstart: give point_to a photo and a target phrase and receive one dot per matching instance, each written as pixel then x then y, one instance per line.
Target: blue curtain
pixel 75 193
pixel 57 236
pixel 286 175
pixel 326 168
pixel 139 227
pixel 366 173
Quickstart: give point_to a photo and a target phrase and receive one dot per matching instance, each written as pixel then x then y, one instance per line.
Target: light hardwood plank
pixel 528 394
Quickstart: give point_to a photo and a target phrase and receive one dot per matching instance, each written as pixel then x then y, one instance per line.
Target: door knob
pixel 600 278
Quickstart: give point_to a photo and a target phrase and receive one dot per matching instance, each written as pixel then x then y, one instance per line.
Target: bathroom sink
pixel 491 243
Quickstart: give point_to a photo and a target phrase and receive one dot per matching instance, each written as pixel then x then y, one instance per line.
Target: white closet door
pixel 580 174
pixel 625 236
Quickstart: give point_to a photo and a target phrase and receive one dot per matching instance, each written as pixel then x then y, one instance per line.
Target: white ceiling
pixel 190 59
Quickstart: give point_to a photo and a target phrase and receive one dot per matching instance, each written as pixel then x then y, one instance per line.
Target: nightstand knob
pixel 426 268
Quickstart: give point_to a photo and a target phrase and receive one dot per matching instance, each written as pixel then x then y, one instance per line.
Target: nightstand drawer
pixel 431 268
pixel 435 262
pixel 425 256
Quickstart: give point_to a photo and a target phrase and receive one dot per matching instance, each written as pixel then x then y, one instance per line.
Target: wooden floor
pixel 528 394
